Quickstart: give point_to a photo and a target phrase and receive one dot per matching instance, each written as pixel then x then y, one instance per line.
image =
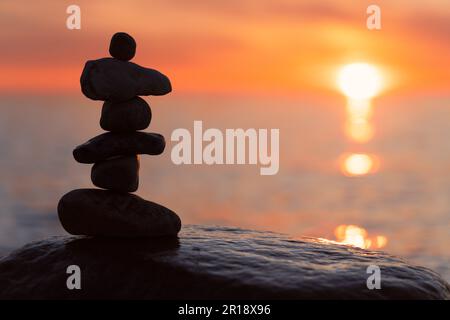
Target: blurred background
pixel 364 116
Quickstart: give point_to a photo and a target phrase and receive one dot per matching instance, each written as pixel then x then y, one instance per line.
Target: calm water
pixel 407 199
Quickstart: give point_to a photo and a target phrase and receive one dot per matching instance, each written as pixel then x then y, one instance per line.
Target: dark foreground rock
pixel 127 116
pixel 118 174
pixel 97 212
pixel 112 144
pixel 122 46
pixel 116 80
pixel 210 263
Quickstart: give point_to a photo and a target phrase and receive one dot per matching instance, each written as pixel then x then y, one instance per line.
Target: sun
pixel 359 81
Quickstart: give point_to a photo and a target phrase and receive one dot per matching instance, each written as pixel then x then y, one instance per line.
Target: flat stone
pixel 127 116
pixel 96 212
pixel 116 80
pixel 210 262
pixel 118 174
pixel 112 144
pixel 122 46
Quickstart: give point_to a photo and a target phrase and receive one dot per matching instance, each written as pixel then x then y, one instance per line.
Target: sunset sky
pixel 252 46
pixel 363 115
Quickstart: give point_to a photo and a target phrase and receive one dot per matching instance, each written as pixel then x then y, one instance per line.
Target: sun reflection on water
pixel 359 82
pixel 358 237
pixel 358 127
pixel 358 164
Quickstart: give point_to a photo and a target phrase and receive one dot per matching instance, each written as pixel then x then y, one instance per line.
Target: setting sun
pixel 359 81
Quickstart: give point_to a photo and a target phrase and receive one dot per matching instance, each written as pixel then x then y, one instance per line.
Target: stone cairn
pixel 115 212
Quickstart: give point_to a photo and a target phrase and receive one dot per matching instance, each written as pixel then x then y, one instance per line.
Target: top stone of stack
pixel 122 46
pixel 117 79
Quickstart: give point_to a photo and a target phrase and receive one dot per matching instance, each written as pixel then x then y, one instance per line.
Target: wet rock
pixel 116 80
pixel 127 116
pixel 97 212
pixel 122 46
pixel 210 263
pixel 111 144
pixel 119 174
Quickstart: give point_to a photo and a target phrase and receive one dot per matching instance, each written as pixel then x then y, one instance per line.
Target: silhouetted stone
pixel 122 46
pixel 116 80
pixel 97 212
pixel 127 116
pixel 210 263
pixel 118 174
pixel 111 144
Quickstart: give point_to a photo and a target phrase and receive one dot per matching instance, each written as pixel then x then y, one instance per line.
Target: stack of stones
pixel 115 154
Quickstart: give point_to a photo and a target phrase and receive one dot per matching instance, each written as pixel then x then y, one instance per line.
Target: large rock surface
pixel 211 263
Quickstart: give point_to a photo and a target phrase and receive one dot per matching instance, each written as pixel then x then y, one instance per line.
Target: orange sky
pixel 234 46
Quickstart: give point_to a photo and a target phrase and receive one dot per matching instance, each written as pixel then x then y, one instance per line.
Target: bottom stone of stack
pixel 95 212
pixel 118 174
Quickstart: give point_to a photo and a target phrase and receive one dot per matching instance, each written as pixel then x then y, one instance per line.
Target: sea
pixel 405 198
